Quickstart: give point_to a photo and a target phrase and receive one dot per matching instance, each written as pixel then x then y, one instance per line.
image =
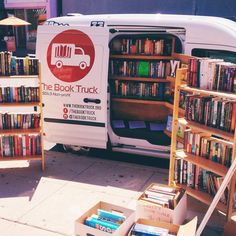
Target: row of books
pixel 198 178
pixel 163 196
pixel 107 221
pixel 12 120
pixel 212 74
pixel 19 94
pixel 146 46
pixel 148 230
pixel 211 111
pixel 138 89
pixel 12 65
pixel 20 145
pixel 215 149
pixel 131 68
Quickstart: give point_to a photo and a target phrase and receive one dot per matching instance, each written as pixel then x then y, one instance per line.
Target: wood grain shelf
pixel 213 131
pixel 20 104
pixel 228 95
pixel 21 158
pixel 19 131
pixel 140 57
pixel 180 110
pixel 140 101
pixel 20 77
pixel 141 79
pixel 203 197
pixel 206 164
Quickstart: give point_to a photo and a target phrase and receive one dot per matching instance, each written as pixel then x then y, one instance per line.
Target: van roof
pixel 198 28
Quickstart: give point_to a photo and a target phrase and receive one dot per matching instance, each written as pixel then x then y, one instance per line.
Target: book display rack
pixel 209 143
pixel 21 130
pixel 141 78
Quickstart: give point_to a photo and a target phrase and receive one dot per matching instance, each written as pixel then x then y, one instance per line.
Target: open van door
pixel 74 71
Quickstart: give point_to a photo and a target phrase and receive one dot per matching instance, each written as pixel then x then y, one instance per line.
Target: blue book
pixel 148 230
pixel 118 124
pixel 137 124
pixel 154 126
pixel 101 225
pixel 115 217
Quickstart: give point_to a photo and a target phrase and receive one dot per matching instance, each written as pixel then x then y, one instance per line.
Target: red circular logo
pixel 70 55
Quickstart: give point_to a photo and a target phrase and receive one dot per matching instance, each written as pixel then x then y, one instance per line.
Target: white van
pixel 114 101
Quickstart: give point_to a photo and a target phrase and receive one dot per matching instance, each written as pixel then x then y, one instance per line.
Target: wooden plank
pixel 231 96
pixel 19 104
pixel 143 79
pixel 19 131
pixel 168 133
pixel 214 131
pixel 207 164
pixel 21 158
pixel 19 77
pixel 202 197
pixel 140 57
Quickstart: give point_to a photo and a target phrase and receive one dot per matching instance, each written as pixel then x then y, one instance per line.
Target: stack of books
pixel 164 196
pixel 105 220
pixel 147 230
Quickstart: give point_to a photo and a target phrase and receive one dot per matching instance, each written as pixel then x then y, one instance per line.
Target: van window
pixel 218 54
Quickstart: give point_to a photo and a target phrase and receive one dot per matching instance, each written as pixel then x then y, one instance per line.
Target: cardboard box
pixel 152 211
pixel 83 230
pixel 188 229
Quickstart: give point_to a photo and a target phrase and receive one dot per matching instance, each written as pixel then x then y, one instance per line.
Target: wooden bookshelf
pixel 203 197
pixel 10 134
pixel 208 165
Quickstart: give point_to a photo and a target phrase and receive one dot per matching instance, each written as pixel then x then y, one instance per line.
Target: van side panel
pixel 74 82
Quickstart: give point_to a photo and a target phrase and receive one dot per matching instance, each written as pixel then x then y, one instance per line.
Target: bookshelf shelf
pixel 19 77
pixel 203 197
pixel 209 165
pixel 20 104
pixel 209 92
pixel 21 158
pixel 140 57
pixel 141 101
pixel 214 131
pixel 140 79
pixel 19 131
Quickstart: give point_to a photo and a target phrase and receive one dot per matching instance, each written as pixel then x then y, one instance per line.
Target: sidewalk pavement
pixel 33 203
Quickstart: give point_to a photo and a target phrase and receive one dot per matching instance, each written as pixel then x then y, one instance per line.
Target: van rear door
pixel 74 69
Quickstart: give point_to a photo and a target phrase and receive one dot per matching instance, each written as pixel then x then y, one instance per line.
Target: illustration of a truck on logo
pixel 69 55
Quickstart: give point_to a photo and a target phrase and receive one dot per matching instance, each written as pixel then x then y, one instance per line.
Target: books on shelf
pixel 14 120
pixel 212 74
pixel 212 111
pixel 138 89
pixel 142 45
pixel 12 65
pixel 19 94
pixel 20 145
pixel 140 68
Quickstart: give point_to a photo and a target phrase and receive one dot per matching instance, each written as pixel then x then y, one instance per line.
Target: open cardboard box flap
pixel 188 229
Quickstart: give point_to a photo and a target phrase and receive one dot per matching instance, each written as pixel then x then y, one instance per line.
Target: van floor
pixel 153 137
pixel 47 203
